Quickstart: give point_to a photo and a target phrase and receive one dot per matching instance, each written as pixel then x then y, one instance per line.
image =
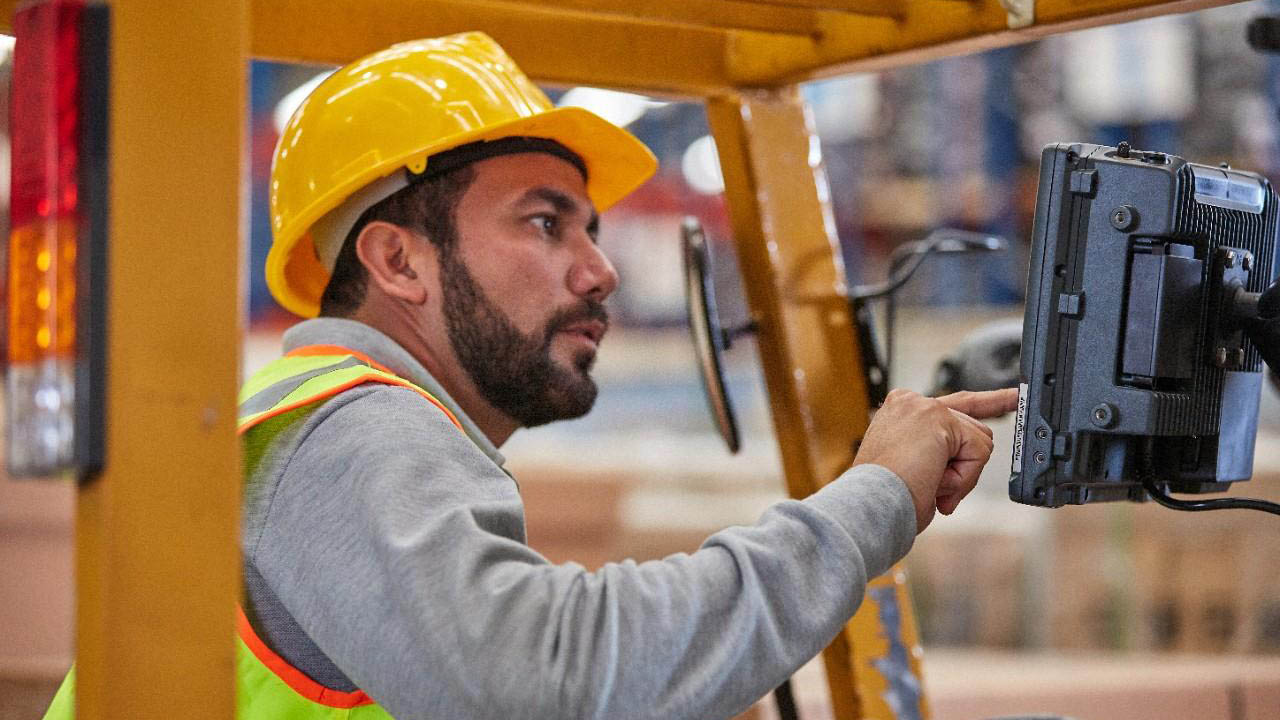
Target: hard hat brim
pixel 617 163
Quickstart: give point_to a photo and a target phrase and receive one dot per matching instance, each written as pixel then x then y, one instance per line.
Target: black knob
pixel 1264 34
pixel 1269 303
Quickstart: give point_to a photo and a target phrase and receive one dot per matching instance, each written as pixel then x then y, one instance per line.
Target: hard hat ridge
pixel 457 157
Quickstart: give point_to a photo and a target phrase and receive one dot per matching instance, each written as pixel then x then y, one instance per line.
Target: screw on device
pixel 1103 415
pixel 1124 218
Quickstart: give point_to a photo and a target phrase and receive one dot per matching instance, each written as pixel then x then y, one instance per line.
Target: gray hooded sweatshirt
pixel 385 550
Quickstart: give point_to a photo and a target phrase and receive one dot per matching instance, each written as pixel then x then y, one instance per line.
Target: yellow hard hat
pixel 396 108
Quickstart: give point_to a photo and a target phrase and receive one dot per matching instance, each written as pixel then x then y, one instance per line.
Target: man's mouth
pixel 592 330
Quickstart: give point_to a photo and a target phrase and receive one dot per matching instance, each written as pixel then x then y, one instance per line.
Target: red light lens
pixel 45 110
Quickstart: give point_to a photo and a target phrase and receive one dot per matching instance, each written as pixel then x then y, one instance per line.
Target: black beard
pixel 514 372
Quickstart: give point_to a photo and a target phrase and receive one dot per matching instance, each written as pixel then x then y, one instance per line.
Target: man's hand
pixel 937 446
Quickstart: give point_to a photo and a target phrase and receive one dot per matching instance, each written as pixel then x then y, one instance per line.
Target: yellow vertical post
pixel 795 282
pixel 157 553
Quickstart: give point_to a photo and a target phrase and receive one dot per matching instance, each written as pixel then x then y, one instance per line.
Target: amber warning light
pixel 54 345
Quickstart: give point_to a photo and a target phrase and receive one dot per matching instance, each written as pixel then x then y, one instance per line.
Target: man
pixel 441 217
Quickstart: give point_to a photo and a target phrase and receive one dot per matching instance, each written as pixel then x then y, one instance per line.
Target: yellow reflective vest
pixel 267 686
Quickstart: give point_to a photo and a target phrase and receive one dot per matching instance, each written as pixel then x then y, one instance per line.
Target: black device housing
pixel 1134 361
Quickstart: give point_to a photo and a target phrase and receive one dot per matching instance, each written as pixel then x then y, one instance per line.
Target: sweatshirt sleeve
pixel 391 540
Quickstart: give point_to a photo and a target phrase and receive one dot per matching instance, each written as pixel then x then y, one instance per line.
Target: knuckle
pixel 937 409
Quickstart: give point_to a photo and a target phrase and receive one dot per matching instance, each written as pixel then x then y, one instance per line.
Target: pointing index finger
pixel 981 405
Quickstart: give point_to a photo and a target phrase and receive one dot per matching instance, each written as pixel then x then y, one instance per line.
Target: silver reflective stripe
pixel 268 397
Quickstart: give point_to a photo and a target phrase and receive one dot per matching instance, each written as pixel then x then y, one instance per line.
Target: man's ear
pixel 390 253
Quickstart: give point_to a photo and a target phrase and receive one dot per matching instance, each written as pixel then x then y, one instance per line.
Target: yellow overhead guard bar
pixel 692 47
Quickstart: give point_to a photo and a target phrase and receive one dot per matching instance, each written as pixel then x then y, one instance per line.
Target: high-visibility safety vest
pixel 267 686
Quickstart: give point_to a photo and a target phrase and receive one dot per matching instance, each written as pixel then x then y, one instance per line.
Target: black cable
pixel 1215 504
pixel 911 254
pixel 786 702
pixel 905 260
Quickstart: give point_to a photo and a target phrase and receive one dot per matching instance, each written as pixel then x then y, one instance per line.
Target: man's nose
pixel 592 275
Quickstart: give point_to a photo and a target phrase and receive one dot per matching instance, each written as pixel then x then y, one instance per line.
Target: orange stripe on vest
pixel 293 677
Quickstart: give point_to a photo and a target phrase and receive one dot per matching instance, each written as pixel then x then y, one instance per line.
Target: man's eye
pixel 545 223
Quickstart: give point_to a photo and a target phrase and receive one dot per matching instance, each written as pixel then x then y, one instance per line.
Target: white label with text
pixel 1020 428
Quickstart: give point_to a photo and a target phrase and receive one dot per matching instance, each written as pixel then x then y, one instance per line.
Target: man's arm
pixel 392 541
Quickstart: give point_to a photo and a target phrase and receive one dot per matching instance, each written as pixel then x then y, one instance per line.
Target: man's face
pixel 523 287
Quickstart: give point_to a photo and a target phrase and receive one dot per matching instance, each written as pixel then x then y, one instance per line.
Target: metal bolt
pixel 1247 262
pixel 1237 357
pixel 1220 357
pixel 1039 457
pixel 1042 433
pixel 1124 218
pixel 1103 415
pixel 1229 258
pixel 1122 149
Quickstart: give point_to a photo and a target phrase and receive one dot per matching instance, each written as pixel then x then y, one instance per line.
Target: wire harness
pixel 1215 504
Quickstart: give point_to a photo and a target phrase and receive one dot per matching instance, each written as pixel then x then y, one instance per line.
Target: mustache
pixel 585 310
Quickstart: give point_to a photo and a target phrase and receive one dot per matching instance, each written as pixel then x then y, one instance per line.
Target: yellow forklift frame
pixel 158 557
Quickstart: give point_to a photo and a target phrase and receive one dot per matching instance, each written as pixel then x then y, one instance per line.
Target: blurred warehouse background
pixel 953 143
